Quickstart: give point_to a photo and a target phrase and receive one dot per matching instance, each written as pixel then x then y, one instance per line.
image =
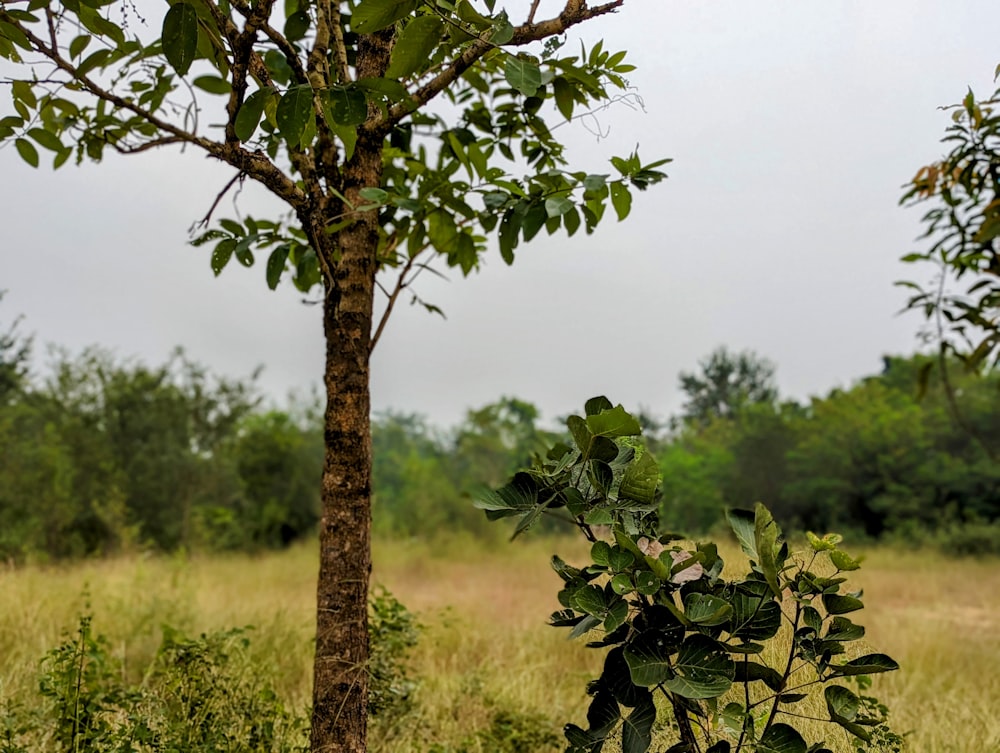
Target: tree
pixel 326 106
pixel 727 382
pixel 15 355
pixel 963 227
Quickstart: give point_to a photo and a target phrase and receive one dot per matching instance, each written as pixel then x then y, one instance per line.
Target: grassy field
pixel 491 673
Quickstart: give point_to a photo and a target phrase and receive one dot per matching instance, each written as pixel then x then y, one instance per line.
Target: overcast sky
pixel 792 126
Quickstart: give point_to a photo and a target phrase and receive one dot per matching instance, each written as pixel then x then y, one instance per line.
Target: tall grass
pixel 493 676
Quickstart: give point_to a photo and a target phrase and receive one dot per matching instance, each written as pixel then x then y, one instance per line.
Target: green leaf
pixel 621 199
pixel 637 728
pixel 293 111
pixel 46 139
pixel 750 671
pixel 743 524
pixel 781 738
pixel 844 561
pixel 78 45
pixel 841 703
pixel 842 629
pixel 222 254
pixel 414 46
pixel 348 105
pixel 27 151
pixel 620 559
pixel 523 74
pixel 276 265
pixel 614 423
pixel 640 480
pixel 756 615
pixel 837 604
pixel 703 609
pixel 650 655
pixel 703 669
pixel 297 25
pixel 603 714
pixel 866 665
pixel 180 36
pixel 212 84
pixel 372 15
pixel 565 99
pixel 373 194
pixel 250 113
pixel 556 206
pixel 766 533
pixel 590 599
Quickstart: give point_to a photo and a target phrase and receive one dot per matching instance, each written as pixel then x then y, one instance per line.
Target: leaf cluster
pixel 672 626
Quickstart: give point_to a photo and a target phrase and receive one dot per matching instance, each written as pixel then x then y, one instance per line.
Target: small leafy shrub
pixel 392 631
pixel 200 695
pixel 510 731
pixel 710 664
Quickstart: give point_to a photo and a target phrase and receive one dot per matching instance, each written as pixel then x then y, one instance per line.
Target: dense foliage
pixel 103 454
pixel 733 662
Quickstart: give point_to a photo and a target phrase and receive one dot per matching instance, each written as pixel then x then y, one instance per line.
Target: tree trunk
pixel 340 674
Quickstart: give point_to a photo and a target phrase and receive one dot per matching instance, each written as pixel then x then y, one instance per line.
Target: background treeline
pixel 102 455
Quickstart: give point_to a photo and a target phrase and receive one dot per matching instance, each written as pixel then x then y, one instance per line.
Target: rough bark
pixel 340 678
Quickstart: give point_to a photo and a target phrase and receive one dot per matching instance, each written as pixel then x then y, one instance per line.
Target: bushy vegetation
pixel 103 455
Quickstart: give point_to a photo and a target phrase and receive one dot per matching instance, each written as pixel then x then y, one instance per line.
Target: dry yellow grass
pixel 485 645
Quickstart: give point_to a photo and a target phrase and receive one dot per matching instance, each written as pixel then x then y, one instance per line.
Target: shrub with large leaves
pixel 675 630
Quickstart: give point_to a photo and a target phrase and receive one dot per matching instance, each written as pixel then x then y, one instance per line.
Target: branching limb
pixel 574 13
pixel 401 283
pixel 208 215
pixel 339 47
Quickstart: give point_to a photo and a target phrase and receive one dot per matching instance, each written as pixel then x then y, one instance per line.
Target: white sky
pixel 793 126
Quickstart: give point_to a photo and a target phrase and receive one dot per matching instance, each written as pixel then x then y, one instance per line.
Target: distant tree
pixel 725 383
pixel 327 106
pixel 15 356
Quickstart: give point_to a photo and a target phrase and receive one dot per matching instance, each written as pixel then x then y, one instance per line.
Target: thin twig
pixel 208 215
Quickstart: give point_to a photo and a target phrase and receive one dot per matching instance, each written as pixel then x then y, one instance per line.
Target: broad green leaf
pixel 766 534
pixel 470 15
pixel 837 604
pixel 866 665
pixel 646 583
pixel 603 714
pixel 621 199
pixel 703 669
pixel 703 609
pixel 373 194
pixel 212 84
pixel 818 544
pixel 523 74
pixel 556 206
pixel 564 96
pixel 250 113
pixel 751 671
pixel 620 559
pixel 596 405
pixel 293 111
pixel 222 254
pixel 372 15
pixel 348 105
pixel 276 265
pixel 46 139
pixel 781 738
pixel 842 629
pixel 617 678
pixel 297 25
pixel 414 46
pixel 27 151
pixel 617 614
pixel 614 423
pixel 756 615
pixel 590 599
pixel 743 524
pixel 844 561
pixel 180 36
pixel 841 703
pixel 650 654
pixel 78 45
pixel 640 479
pixel 637 728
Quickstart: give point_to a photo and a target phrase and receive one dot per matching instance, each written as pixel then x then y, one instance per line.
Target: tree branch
pixel 339 46
pixel 255 164
pixel 574 13
pixel 401 284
